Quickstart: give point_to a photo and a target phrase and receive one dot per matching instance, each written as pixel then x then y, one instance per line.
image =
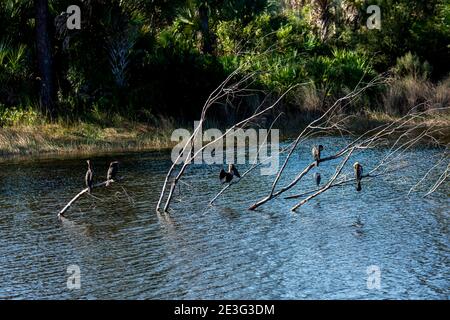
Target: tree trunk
pixel 322 16
pixel 44 57
pixel 204 26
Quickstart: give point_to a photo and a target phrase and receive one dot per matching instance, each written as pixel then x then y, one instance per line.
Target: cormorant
pixel 317 178
pixel 316 153
pixel 228 176
pixel 89 179
pixel 358 174
pixel 112 172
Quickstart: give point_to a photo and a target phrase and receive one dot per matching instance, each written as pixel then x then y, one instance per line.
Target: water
pixel 126 251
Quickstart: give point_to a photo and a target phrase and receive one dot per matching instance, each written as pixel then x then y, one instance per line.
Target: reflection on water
pixel 125 250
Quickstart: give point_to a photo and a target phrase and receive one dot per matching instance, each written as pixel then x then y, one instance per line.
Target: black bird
pixel 89 179
pixel 316 153
pixel 317 178
pixel 358 174
pixel 112 172
pixel 228 176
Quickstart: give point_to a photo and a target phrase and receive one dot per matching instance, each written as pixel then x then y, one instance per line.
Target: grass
pixel 81 138
pixel 440 121
pixel 87 138
pixel 26 133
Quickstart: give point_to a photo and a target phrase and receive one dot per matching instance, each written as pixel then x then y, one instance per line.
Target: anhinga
pixel 228 176
pixel 112 172
pixel 317 178
pixel 316 153
pixel 89 179
pixel 358 174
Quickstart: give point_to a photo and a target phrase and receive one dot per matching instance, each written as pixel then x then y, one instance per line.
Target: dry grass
pixel 440 95
pixel 81 138
pixel 85 138
pixel 404 93
pixel 310 98
pixel 371 119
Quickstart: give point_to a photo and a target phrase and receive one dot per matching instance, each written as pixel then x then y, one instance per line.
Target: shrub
pixel 439 96
pixel 17 116
pixel 404 94
pixel 343 69
pixel 410 65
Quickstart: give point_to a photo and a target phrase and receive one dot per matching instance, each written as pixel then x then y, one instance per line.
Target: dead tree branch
pixel 328 122
pixel 328 184
pixel 255 163
pixel 85 190
pixel 232 89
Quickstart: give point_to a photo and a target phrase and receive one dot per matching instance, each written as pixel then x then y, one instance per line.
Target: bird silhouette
pixel 112 172
pixel 358 175
pixel 316 153
pixel 89 178
pixel 226 177
pixel 317 178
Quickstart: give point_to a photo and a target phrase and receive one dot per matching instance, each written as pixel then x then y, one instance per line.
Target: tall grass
pixel 405 93
pixel 42 137
pixel 410 86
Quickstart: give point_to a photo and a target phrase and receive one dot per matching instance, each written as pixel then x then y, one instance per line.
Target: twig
pixel 188 161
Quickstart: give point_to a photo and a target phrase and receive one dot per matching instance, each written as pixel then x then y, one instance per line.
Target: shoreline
pixel 52 140
pixel 58 140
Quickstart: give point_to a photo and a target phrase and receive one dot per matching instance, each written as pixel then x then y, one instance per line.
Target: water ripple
pixel 127 251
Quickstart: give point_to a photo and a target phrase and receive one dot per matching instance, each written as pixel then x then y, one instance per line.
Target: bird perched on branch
pixel 317 178
pixel 316 153
pixel 228 176
pixel 358 174
pixel 89 179
pixel 112 172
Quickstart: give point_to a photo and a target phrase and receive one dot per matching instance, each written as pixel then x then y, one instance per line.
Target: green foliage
pixel 280 33
pixel 18 116
pixel 143 58
pixel 409 26
pixel 343 69
pixel 287 51
pixel 15 86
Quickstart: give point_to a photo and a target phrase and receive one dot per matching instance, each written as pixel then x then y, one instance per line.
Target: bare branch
pixel 100 184
pixel 328 184
pixel 255 163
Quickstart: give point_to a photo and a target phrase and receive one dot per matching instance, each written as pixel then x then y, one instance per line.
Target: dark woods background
pixel 145 60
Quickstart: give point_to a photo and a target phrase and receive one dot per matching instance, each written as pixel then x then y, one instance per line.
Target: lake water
pixel 124 250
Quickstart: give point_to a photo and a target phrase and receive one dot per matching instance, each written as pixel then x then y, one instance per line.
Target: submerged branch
pixel 329 183
pixel 85 190
pixel 325 122
pixel 346 181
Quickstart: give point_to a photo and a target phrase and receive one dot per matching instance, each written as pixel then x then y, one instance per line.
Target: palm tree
pixel 322 15
pixel 194 17
pixel 197 15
